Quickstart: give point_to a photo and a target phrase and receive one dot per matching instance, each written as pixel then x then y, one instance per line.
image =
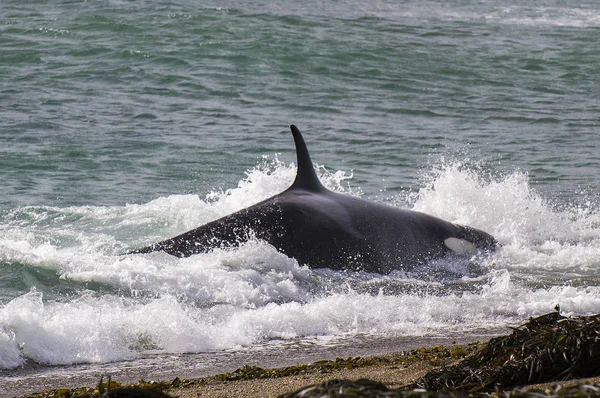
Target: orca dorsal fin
pixel 306 177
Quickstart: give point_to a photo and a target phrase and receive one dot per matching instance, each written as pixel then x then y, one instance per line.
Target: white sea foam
pixel 10 355
pixel 508 13
pixel 240 297
pixel 534 232
pixel 552 16
pixel 105 328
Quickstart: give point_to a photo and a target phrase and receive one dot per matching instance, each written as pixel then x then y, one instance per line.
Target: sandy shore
pixel 391 375
pixel 394 370
pixel 400 370
pixel 165 368
pixel 549 348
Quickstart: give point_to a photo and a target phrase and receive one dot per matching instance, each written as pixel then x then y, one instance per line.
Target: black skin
pixel 324 229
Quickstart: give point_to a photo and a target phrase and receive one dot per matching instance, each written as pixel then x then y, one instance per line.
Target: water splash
pixel 91 304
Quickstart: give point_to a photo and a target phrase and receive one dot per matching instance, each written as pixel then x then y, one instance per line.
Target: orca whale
pixel 325 229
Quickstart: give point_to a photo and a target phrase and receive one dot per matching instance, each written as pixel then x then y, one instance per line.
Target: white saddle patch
pixel 460 246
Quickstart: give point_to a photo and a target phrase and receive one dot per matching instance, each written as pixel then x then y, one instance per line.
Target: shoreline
pixel 395 370
pixel 163 367
pixel 551 354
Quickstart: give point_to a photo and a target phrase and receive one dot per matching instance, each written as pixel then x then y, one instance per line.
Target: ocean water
pixel 124 123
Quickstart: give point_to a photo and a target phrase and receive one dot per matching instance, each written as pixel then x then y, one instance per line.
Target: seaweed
pixel 548 348
pixel 371 389
pixel 344 388
pixel 109 389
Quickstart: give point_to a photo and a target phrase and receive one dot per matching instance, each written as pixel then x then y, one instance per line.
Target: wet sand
pixel 391 375
pixel 164 368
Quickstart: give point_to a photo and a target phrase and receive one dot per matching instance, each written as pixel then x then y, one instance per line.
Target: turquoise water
pixel 123 123
pixel 119 102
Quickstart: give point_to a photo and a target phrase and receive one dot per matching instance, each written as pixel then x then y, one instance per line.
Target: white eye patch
pixel 460 246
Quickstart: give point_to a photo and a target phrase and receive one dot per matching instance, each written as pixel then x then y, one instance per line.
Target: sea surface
pixel 123 123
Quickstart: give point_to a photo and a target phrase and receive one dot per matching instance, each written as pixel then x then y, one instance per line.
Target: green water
pixel 114 102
